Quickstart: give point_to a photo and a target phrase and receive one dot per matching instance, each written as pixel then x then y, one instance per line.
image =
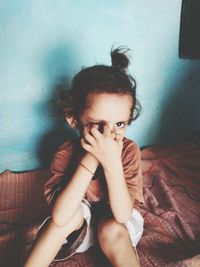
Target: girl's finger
pixel 113 135
pixel 89 139
pixel 107 131
pixel 119 138
pixel 95 133
pixel 85 146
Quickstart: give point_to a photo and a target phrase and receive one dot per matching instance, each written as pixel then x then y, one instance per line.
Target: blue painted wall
pixel 44 43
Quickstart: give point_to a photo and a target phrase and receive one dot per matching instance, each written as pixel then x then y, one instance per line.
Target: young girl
pixel 96 184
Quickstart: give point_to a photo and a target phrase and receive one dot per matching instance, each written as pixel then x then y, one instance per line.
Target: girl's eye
pixel 120 125
pixel 92 124
pixel 98 125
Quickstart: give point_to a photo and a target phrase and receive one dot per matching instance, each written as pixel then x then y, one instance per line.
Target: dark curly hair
pixel 101 79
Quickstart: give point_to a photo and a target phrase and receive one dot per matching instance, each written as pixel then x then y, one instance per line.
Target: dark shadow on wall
pixel 57 69
pixel 180 119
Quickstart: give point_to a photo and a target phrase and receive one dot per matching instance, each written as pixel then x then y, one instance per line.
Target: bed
pixel 171 212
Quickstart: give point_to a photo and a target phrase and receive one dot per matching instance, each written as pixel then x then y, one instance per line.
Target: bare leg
pixel 115 242
pixel 50 241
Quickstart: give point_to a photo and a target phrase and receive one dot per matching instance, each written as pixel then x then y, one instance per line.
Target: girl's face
pixel 112 110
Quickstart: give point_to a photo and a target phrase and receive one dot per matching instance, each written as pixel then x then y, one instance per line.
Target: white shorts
pixel 134 225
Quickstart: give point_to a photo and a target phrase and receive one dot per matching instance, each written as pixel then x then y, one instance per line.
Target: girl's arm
pixel 71 196
pixel 120 200
pixel 108 152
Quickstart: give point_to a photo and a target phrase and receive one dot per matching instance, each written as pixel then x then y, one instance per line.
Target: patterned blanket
pixel 172 212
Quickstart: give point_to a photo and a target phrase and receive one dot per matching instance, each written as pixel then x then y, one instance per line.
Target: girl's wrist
pixel 114 174
pixel 110 165
pixel 89 162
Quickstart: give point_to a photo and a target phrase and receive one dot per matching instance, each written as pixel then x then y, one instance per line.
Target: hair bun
pixel 119 58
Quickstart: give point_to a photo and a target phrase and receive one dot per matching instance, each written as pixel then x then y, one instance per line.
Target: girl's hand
pixel 106 146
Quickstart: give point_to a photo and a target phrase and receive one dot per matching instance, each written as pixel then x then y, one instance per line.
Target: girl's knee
pixel 53 228
pixel 110 230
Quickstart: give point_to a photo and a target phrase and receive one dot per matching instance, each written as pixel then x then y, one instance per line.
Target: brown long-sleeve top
pixel 68 157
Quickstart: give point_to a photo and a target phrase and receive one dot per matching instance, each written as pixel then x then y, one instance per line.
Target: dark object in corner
pixel 189 42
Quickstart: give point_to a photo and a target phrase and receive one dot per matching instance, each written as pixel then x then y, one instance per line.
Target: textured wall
pixel 44 43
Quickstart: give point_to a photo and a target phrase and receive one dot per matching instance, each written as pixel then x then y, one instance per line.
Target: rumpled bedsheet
pixel 172 211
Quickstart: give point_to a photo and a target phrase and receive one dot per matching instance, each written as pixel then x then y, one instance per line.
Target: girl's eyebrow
pixel 96 121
